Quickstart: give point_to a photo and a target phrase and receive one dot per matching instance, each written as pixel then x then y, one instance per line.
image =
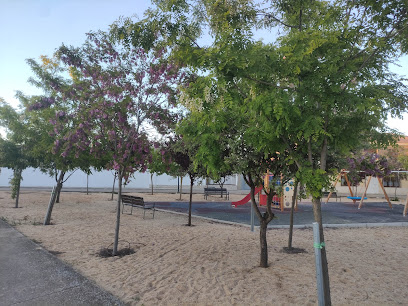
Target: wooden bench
pixel 215 191
pixel 136 202
pixel 325 194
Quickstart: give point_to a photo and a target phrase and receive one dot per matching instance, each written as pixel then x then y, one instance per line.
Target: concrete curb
pixel 349 225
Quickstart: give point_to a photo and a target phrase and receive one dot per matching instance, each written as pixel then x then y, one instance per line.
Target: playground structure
pixel 285 200
pixel 355 198
pixel 247 198
pixel 278 201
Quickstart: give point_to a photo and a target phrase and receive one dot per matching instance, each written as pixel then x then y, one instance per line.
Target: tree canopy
pixel 316 90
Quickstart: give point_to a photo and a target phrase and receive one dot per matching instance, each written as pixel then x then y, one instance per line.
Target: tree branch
pixel 193 41
pixel 69 175
pixel 266 83
pixel 389 35
pixel 270 16
pixel 268 205
pixel 309 152
pixel 249 181
pixel 323 153
pixel 291 151
pixel 300 20
pixel 239 90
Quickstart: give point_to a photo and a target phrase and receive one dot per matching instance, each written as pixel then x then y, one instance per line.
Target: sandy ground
pixel 210 263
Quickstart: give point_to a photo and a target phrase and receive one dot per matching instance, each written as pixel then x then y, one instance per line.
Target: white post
pixel 318 257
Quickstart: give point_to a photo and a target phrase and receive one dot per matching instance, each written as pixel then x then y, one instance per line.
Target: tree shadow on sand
pixel 123 251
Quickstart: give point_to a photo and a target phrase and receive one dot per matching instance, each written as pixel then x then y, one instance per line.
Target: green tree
pixel 221 121
pixel 162 163
pixel 403 159
pixel 342 87
pixel 156 166
pixel 182 152
pixel 42 113
pixel 15 150
pixel 321 87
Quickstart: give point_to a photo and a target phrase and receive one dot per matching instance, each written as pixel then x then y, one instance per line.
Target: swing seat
pixel 356 198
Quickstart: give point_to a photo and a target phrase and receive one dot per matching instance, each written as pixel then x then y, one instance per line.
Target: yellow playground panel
pixel 283 201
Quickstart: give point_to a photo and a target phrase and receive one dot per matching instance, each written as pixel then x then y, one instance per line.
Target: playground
pixel 352 209
pixel 343 211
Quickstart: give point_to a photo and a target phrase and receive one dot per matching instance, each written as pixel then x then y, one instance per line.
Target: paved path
pixel 29 275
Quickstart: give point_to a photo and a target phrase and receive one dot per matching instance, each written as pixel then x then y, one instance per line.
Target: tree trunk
pixel 317 212
pixel 151 181
pixel 291 214
pixel 57 200
pixel 191 200
pixel 116 242
pixel 264 244
pixel 57 190
pixel 59 186
pixel 264 220
pixel 113 186
pixel 87 184
pixel 181 186
pixel 19 172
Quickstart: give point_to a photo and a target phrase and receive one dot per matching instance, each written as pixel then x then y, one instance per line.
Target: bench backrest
pixel 126 199
pixel 214 189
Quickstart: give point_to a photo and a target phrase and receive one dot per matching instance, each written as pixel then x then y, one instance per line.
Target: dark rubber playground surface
pixel 333 212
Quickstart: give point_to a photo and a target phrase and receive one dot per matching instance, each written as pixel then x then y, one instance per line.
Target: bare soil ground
pixel 210 263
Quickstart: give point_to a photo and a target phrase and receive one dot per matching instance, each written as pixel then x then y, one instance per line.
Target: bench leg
pixel 123 208
pixel 144 213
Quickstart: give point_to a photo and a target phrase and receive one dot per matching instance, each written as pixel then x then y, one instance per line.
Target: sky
pixel 30 28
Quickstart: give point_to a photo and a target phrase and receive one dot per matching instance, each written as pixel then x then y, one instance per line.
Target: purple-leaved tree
pixel 126 100
pixel 368 163
pixel 40 115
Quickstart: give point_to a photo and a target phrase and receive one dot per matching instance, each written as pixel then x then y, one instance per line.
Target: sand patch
pixel 210 263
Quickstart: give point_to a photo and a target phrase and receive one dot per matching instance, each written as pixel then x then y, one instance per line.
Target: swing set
pixel 354 197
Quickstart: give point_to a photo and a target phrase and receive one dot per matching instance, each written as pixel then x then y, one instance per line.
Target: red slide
pixel 247 198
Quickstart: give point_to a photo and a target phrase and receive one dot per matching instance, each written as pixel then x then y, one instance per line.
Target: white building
pixel 104 179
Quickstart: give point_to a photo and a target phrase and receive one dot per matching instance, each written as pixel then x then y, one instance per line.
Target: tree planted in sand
pixel 123 95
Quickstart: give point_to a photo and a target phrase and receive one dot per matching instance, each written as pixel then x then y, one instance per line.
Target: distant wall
pixel 104 179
